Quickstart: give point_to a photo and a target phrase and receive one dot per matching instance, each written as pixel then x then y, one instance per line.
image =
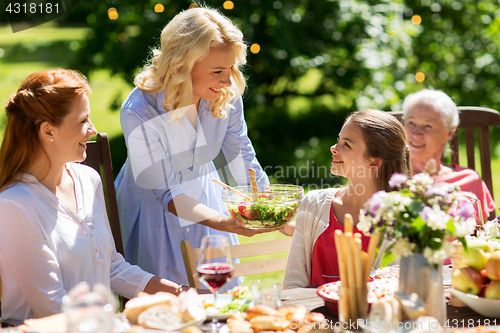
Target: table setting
pixel 412 223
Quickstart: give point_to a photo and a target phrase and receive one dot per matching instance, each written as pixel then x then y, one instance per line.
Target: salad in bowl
pixel 273 205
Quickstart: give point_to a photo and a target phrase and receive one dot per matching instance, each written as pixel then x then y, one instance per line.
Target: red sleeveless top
pixel 324 263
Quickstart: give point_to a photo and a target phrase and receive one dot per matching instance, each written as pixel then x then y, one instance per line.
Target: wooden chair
pixel 99 158
pixel 191 256
pixel 473 117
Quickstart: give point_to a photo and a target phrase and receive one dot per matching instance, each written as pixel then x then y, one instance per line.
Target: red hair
pixel 42 96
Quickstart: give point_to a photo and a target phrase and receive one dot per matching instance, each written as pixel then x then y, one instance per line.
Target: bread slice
pixel 190 306
pixel 135 306
pixel 160 317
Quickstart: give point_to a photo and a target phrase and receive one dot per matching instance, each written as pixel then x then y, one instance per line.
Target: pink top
pixel 324 257
pixel 469 181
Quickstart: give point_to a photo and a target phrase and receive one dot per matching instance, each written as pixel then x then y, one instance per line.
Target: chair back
pixel 99 158
pixel 191 256
pixel 472 117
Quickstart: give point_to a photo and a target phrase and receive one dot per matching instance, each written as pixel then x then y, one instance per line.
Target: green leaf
pixel 418 224
pixel 416 207
pixel 435 243
pixel 450 226
pixel 387 258
pixel 464 243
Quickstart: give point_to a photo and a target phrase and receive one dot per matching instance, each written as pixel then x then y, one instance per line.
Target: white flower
pixel 464 227
pixel 494 244
pixel 491 229
pixel 437 257
pixel 435 218
pixel 365 222
pixel 476 242
pixel 402 248
pixel 422 179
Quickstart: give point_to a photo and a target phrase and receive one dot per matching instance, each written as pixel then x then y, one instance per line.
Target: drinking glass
pixel 267 292
pixel 478 211
pixel 476 203
pixel 215 267
pixel 89 310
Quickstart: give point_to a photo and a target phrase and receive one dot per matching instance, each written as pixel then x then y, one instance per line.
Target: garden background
pixel 310 63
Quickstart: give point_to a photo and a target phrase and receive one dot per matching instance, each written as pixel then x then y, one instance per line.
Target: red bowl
pixel 331 301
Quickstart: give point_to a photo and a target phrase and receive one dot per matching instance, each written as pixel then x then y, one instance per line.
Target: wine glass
pixel 215 267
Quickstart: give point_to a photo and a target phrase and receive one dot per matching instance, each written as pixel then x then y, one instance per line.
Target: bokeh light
pixel 255 48
pixel 416 19
pixel 112 13
pixel 228 5
pixel 123 36
pixel 159 8
pixel 420 77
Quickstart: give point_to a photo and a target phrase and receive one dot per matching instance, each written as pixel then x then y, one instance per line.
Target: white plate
pixel 483 306
pixel 222 300
pixel 184 325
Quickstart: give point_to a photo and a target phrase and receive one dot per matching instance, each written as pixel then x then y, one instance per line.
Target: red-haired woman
pixel 54 230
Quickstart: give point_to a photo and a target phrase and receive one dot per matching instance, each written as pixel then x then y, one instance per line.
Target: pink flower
pixel 397 179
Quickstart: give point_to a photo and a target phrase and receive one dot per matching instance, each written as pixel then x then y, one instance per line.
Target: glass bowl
pixel 275 206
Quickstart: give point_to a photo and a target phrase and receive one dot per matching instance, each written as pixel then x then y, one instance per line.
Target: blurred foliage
pixel 318 61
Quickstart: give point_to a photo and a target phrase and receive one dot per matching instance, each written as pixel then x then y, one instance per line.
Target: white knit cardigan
pixel 313 218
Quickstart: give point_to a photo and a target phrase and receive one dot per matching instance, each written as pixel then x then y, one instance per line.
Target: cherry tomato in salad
pixel 249 214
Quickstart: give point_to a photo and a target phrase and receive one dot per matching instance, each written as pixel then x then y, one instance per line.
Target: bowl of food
pixel 272 206
pixel 484 306
pixel 379 288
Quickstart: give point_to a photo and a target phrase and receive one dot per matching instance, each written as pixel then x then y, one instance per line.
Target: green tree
pixel 320 60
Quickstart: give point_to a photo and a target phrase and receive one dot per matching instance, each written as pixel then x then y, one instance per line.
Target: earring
pixel 51 140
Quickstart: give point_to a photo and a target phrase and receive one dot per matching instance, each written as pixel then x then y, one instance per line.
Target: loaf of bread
pixel 269 323
pixel 190 306
pixel 263 319
pixel 160 317
pixel 261 310
pixel 135 306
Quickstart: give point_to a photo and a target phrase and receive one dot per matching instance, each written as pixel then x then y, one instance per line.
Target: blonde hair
pixel 186 39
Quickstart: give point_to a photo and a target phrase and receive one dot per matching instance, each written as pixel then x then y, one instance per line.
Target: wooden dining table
pixel 457 317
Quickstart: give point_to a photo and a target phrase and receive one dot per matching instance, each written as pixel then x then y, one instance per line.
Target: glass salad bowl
pixel 272 207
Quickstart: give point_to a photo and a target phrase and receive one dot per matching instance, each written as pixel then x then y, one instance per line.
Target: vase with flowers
pixel 418 225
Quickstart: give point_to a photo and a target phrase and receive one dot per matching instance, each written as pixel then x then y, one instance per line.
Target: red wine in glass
pixel 215 267
pixel 215 275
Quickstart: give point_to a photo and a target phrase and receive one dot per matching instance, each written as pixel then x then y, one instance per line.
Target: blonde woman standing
pixel 185 108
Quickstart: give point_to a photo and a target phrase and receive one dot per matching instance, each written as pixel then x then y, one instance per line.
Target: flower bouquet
pixel 416 217
pixel 419 221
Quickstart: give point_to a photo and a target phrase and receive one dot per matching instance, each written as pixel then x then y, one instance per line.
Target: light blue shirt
pixel 167 156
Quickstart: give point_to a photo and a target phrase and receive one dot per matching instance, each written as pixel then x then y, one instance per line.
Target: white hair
pixel 441 103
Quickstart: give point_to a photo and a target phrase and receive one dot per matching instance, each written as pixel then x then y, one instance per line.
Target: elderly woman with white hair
pixel 430 119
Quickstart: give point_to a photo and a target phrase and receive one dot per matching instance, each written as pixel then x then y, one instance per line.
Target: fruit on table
pixel 467 280
pixel 476 258
pixel 484 274
pixel 493 266
pixel 492 290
